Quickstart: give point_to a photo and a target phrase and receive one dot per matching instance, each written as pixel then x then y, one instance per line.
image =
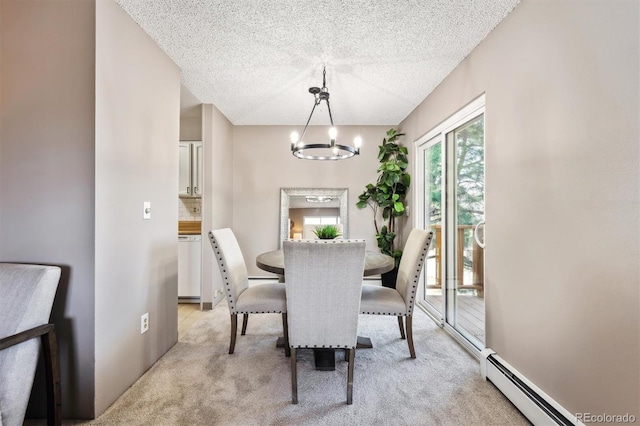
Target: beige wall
pixel 87 136
pixel 190 116
pixel 562 195
pixel 217 201
pixel 190 128
pixel 262 164
pixel 47 171
pixel 137 129
pixel 561 80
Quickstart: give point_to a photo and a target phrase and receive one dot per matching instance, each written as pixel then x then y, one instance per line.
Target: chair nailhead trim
pixel 416 278
pixel 232 306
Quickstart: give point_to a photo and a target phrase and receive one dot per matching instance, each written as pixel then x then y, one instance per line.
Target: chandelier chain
pixel 324 78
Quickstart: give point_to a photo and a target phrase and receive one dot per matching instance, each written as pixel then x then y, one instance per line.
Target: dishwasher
pixel 189 266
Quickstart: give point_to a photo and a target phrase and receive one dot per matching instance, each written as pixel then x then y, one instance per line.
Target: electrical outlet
pixel 144 323
pixel 217 293
pixel 196 209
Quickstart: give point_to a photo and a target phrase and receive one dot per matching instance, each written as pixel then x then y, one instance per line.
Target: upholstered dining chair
pixel 399 301
pixel 27 293
pixel 324 283
pixel 241 298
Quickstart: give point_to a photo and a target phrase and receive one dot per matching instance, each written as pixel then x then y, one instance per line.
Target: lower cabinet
pixel 189 266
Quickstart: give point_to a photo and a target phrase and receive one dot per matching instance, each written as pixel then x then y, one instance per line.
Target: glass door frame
pixel 439 135
pixel 419 222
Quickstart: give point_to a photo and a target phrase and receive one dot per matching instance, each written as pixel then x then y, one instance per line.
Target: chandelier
pixel 322 151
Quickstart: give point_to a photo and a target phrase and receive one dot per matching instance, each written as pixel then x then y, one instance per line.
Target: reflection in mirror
pixel 313 207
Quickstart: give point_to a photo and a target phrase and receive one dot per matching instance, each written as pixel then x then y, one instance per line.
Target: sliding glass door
pixel 451 200
pixel 466 208
pixel 432 219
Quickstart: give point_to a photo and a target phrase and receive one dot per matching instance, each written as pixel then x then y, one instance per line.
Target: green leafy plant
pixel 387 197
pixel 327 232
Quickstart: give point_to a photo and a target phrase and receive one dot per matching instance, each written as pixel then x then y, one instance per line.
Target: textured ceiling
pixel 256 59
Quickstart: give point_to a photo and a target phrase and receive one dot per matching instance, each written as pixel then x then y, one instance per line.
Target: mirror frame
pixel 341 193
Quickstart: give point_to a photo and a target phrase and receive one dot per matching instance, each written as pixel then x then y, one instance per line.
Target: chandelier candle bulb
pixel 357 141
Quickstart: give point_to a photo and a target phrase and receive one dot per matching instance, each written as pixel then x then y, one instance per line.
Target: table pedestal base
pixel 325 359
pixel 364 343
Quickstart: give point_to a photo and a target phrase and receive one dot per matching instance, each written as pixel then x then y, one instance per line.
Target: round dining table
pixel 374 264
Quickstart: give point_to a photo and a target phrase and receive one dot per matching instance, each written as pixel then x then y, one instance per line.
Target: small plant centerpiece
pixel 387 197
pixel 327 232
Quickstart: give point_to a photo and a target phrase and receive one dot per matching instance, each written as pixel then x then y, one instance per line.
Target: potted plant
pixel 327 232
pixel 387 198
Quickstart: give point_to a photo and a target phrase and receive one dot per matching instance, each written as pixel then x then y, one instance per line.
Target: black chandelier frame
pixel 337 151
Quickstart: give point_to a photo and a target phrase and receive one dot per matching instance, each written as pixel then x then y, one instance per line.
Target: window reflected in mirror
pixel 303 209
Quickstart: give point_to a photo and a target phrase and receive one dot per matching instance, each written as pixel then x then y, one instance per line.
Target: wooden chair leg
pixel 234 331
pixel 401 326
pixel 352 356
pixel 412 351
pixel 245 320
pixel 294 376
pixel 52 373
pixel 285 327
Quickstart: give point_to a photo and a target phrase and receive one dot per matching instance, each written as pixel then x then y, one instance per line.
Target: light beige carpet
pixel 198 383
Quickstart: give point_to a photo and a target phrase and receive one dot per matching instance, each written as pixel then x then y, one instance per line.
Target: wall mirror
pixel 316 206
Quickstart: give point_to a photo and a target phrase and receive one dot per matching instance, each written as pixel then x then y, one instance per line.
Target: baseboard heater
pixel 537 406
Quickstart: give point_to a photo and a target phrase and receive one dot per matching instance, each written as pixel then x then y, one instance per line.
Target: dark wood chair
pixel 25 306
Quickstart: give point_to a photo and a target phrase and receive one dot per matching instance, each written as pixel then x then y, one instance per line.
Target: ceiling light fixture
pixel 322 151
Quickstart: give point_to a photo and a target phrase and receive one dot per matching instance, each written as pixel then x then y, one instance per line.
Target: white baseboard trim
pixel 532 401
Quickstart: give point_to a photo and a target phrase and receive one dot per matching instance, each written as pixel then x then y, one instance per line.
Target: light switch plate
pixel 146 210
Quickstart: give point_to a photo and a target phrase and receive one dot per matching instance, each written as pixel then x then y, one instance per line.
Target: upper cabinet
pixel 191 177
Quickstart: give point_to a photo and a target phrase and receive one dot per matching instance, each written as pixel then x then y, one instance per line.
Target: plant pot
pixel 389 278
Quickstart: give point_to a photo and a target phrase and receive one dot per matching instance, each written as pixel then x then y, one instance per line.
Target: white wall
pixel 262 164
pixel 47 171
pixel 137 132
pixel 562 194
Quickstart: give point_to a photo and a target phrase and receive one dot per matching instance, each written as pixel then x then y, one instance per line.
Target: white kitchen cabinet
pixel 191 176
pixel 189 261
